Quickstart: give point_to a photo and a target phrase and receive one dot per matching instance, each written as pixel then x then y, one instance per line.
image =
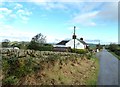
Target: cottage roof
pixel 83 42
pixel 63 42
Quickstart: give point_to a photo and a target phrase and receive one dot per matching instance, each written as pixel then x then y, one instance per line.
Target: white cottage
pixel 79 44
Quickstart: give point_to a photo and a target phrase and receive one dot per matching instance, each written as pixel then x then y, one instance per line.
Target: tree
pixel 113 47
pixel 39 38
pixel 37 41
pixel 5 43
pixel 33 45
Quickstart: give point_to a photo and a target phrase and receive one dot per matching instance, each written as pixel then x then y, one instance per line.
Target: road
pixel 108 73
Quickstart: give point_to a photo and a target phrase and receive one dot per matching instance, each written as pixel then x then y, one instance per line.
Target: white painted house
pixel 79 43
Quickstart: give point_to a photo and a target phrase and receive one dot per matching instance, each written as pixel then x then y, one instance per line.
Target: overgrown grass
pixel 50 68
pixel 115 50
pixel 118 57
pixel 76 71
pixel 115 55
pixel 93 77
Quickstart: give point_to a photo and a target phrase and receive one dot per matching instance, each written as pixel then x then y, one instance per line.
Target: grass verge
pixel 79 72
pixel 115 55
pixel 93 77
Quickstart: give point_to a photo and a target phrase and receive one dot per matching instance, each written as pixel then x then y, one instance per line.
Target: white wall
pixel 78 44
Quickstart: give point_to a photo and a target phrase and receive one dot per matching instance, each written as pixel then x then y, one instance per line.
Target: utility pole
pixel 74 37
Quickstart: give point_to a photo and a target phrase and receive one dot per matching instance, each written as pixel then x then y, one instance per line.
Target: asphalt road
pixel 108 74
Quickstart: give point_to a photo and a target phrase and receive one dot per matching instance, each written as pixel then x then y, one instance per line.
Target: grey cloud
pixel 109 12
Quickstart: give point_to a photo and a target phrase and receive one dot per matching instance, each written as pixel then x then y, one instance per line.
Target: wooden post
pixel 74 37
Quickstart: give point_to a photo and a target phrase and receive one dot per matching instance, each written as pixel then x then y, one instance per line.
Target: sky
pixel 94 20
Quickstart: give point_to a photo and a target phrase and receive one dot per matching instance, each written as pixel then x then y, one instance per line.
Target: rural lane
pixel 108 73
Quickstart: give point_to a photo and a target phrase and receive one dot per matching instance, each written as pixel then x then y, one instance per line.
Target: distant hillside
pixel 92 45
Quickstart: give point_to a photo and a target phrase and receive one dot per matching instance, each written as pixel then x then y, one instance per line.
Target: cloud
pixel 99 13
pixel 11 33
pixel 109 12
pixel 18 6
pixel 13 16
pixel 85 19
pixel 85 13
pixel 92 24
pixel 5 11
pixel 15 34
pixel 24 14
pixel 71 28
pixel 5 14
pixel 16 12
pixel 51 5
pixel 1 16
pixel 53 39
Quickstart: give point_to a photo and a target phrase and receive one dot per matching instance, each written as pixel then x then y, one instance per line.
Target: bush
pixel 37 46
pixel 45 48
pixel 113 47
pixel 11 80
pixel 33 46
pixel 79 51
pixel 89 55
pixel 117 52
pixel 16 68
pixel 25 67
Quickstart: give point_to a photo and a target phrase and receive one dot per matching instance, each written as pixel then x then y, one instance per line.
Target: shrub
pixel 33 46
pixel 113 47
pixel 17 67
pixel 53 57
pixel 117 52
pixel 89 55
pixel 45 48
pixel 37 46
pixel 26 67
pixel 80 51
pixel 11 80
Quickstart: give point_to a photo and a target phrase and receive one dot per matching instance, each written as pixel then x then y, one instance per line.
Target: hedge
pixel 45 48
pixel 79 51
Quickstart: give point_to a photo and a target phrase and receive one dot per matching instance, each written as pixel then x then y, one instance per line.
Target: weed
pixel 11 80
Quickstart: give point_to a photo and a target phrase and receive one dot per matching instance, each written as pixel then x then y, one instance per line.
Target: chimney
pixel 81 38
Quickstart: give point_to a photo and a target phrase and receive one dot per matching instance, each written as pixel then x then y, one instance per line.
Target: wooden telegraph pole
pixel 74 37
